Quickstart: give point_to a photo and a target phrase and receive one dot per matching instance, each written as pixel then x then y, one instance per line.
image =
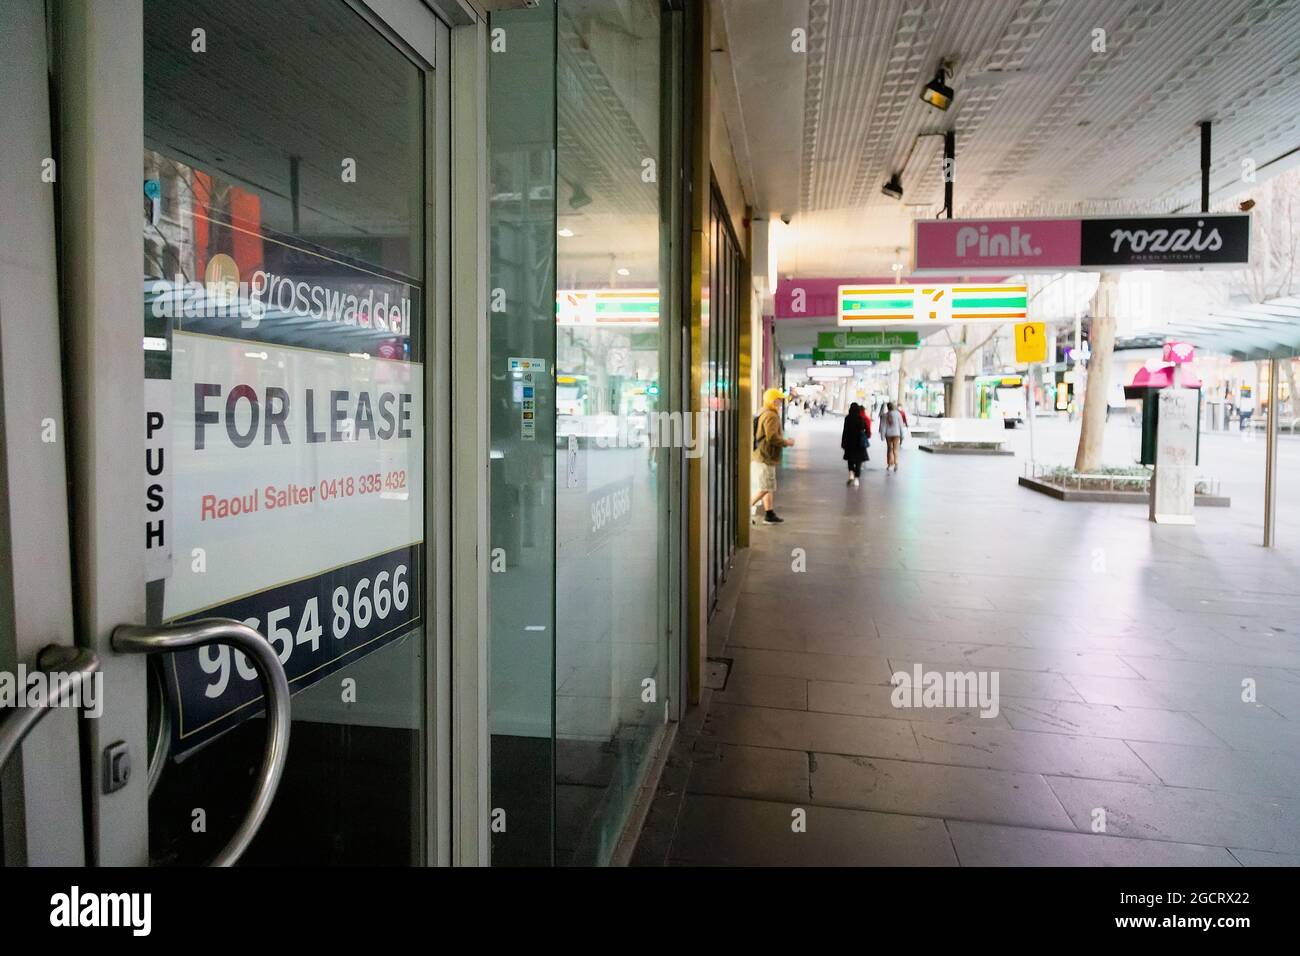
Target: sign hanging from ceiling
pixel 874 339
pixel 1196 241
pixel 851 355
pixel 866 305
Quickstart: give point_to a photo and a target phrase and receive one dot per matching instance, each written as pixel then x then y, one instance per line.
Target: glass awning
pixel 1248 332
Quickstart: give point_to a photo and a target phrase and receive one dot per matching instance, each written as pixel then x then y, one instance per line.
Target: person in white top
pixel 892 423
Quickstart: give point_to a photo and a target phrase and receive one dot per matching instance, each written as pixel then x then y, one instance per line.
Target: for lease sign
pixel 296 489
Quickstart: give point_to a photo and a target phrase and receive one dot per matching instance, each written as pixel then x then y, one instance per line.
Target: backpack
pixel 755 429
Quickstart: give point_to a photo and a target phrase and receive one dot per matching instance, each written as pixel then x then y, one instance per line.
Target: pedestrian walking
pixel 891 426
pixel 769 444
pixel 854 440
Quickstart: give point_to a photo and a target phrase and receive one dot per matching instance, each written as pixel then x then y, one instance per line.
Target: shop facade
pixel 394 390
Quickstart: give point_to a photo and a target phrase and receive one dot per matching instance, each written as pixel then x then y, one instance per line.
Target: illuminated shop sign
pixel 1053 245
pixel 861 305
pixel 622 308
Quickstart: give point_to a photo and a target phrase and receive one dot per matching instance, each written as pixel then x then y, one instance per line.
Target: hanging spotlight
pixel 578 197
pixel 937 92
pixel 894 188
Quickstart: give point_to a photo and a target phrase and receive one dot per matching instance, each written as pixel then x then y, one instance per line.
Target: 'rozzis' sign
pixel 1050 245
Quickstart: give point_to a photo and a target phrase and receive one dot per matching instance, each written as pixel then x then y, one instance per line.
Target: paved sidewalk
pixel 1121 650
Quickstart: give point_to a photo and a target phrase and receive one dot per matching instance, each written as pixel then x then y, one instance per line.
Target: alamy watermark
pixel 956 689
pixel 685 430
pixel 38 688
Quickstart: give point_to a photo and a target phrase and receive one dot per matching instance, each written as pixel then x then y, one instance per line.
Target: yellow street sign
pixel 1031 342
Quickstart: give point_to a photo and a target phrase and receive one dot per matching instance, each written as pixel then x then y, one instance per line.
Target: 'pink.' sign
pixel 966 246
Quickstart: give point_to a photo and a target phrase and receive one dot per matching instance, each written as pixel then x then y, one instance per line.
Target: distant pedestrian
pixel 854 439
pixel 891 426
pixel 769 444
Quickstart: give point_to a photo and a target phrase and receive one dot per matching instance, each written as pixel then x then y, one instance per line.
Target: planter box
pixel 964 448
pixel 1062 493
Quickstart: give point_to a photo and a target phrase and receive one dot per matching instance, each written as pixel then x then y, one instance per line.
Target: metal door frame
pixel 40 790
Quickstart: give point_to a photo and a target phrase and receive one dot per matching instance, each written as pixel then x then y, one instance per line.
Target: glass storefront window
pixel 522 395
pixel 579 497
pixel 611 655
pixel 283 210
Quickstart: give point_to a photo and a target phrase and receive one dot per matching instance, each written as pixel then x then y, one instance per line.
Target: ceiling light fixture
pixel 937 92
pixel 578 197
pixel 565 233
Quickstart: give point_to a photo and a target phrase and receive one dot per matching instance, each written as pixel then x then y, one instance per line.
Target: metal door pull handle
pixel 131 639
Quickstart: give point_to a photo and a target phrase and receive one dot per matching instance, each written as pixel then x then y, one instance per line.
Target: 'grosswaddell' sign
pixel 296 507
pixel 971 246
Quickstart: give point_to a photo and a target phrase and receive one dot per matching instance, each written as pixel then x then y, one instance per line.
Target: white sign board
pixel 158 479
pixel 296 489
pixel 1173 485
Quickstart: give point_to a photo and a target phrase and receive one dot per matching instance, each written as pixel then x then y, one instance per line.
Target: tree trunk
pixel 1101 343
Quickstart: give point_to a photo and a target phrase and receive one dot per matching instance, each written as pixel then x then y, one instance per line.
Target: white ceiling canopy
pixel 1061 107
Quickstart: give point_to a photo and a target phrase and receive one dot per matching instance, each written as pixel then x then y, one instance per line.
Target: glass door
pixel 285 343
pixel 291 456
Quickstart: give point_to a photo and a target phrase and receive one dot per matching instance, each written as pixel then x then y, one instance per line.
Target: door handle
pixel 77 664
pixel 165 639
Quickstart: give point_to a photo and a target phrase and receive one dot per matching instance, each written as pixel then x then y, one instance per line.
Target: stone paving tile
pixel 747 631
pixel 804 730
pixel 866 670
pixel 1037 685
pixel 1249 733
pixel 725 831
pixel 1233 650
pixel 950 597
pixel 1264 858
pixel 1059 754
pixel 964 793
pixel 758 772
pixel 1117 645
pixel 1056 662
pixel 863 644
pixel 1104 720
pixel 1224 697
pixel 1232 771
pixel 983 844
pixel 874 700
pixel 765 690
pixel 1207 672
pixel 922 649
pixel 1183 816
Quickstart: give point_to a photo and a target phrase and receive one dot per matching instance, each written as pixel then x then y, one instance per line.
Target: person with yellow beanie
pixel 769 443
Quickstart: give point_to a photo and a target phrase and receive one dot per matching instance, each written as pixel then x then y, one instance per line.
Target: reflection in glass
pixel 284 287
pixel 521 144
pixel 611 661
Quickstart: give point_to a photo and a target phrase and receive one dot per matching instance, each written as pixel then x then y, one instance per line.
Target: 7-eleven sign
pixel 878 305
